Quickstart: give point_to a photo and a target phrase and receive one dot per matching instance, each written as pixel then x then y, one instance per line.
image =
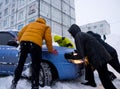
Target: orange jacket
pixel 36 32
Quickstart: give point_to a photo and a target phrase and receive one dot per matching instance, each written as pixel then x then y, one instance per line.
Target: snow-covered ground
pixel 112 39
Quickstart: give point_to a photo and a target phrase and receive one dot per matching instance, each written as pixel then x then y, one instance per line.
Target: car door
pixel 8 59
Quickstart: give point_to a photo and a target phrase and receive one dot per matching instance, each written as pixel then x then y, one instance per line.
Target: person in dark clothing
pixel 115 61
pixel 31 38
pixel 88 46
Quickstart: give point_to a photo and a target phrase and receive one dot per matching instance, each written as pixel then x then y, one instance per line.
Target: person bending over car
pixel 30 38
pixel 63 41
pixel 98 57
pixel 114 62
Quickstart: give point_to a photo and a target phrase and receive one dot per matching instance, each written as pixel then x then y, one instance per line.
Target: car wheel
pixel 45 76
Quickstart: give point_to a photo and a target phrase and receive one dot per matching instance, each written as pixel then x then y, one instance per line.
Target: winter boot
pixel 112 77
pixel 90 84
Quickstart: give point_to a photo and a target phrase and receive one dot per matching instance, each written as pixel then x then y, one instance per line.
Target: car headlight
pixel 76 61
pixel 73 57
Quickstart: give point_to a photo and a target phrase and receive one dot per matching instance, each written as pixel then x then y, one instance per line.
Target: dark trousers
pixel 89 73
pixel 115 64
pixel 36 55
pixel 103 75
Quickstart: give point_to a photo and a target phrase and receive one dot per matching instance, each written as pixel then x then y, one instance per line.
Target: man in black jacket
pixel 114 62
pixel 98 56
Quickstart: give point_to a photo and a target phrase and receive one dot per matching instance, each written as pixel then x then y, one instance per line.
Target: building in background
pixel 100 27
pixel 59 14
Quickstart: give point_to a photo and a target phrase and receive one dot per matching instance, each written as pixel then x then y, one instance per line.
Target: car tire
pixel 45 76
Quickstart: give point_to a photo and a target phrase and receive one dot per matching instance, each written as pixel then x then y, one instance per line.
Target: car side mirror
pixel 12 43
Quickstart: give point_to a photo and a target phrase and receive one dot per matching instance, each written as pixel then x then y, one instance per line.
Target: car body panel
pixel 66 70
pixel 9 59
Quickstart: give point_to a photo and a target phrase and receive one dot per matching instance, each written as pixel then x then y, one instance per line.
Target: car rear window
pixel 5 37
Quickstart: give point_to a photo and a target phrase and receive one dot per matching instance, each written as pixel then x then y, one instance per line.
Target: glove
pixel 54 51
pixel 86 61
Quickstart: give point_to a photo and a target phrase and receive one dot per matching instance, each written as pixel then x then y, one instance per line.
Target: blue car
pixel 54 67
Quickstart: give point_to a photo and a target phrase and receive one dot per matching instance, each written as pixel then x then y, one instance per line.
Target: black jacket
pixel 109 48
pixel 88 46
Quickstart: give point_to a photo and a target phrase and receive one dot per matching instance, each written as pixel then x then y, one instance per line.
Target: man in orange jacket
pixel 30 38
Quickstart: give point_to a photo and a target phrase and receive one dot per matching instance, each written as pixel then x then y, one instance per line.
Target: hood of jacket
pixel 57 37
pixel 74 29
pixel 41 20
